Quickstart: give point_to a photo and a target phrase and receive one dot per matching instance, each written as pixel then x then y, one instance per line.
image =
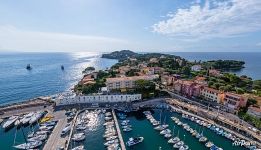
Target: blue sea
pixel 47 78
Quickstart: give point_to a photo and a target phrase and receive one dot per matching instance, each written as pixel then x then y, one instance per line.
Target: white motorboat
pixel 111 142
pixel 35 117
pixel 66 129
pixel 111 138
pixel 78 137
pixel 174 140
pixel 126 129
pixel 179 144
pixel 134 140
pixel 184 147
pixel 203 139
pixel 168 135
pixel 10 122
pixel 27 118
pixel 29 145
pixel 42 137
pixel 81 147
pixel 166 131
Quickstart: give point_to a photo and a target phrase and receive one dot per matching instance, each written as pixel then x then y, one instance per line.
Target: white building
pixel 97 99
pixel 196 68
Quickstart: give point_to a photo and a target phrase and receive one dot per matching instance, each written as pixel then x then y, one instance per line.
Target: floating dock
pixel 118 130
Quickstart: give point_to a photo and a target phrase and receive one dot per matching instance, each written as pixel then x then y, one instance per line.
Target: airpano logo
pixel 243 143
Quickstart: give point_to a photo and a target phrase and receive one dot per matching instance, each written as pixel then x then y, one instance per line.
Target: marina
pixel 161 128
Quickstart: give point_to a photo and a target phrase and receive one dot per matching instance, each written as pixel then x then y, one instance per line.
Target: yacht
pixel 111 142
pixel 42 137
pixel 179 144
pixel 203 139
pixel 66 129
pixel 209 144
pixel 134 140
pixel 28 67
pixel 27 118
pixel 78 137
pixel 126 129
pixel 10 122
pixel 184 147
pixel 168 135
pixel 81 147
pixel 111 138
pixel 174 140
pixel 36 117
pixel 166 131
pixel 29 145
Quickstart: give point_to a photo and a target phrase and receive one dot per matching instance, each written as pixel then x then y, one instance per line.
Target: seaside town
pixel 177 103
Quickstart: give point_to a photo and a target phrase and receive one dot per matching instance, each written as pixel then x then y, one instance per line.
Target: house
pixel 190 89
pixel 168 80
pixel 196 68
pixel 211 94
pixel 254 111
pixel 148 70
pixel 127 82
pixel 234 101
pixel 200 80
pixel 153 60
pixel 124 69
pixel 158 70
pixel 177 86
pixel 214 72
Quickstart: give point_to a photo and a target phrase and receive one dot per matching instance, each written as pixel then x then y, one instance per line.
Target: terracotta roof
pixel 211 89
pixel 150 77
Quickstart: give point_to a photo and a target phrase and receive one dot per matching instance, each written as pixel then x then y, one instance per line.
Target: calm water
pixel 8 139
pixel 46 77
pixel 252 60
pixel 153 140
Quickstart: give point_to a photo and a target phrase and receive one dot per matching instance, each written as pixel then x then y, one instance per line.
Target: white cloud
pixel 214 19
pixel 12 38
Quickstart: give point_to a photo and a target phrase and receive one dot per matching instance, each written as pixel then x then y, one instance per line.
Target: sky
pixel 138 25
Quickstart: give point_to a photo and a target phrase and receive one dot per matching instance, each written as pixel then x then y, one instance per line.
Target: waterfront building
pixel 196 68
pixel 234 101
pixel 177 85
pixel 254 111
pixel 127 82
pixel 190 89
pixel 211 94
pixel 97 99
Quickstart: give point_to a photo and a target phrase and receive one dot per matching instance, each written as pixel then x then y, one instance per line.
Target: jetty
pixel 71 132
pixel 118 130
pixel 36 104
pixel 55 140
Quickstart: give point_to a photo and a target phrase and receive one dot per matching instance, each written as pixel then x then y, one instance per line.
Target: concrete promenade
pixel 55 140
pixel 212 122
pixel 118 130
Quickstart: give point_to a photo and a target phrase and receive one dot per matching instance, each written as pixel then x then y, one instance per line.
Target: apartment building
pixel 211 94
pixel 127 82
pixel 234 101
